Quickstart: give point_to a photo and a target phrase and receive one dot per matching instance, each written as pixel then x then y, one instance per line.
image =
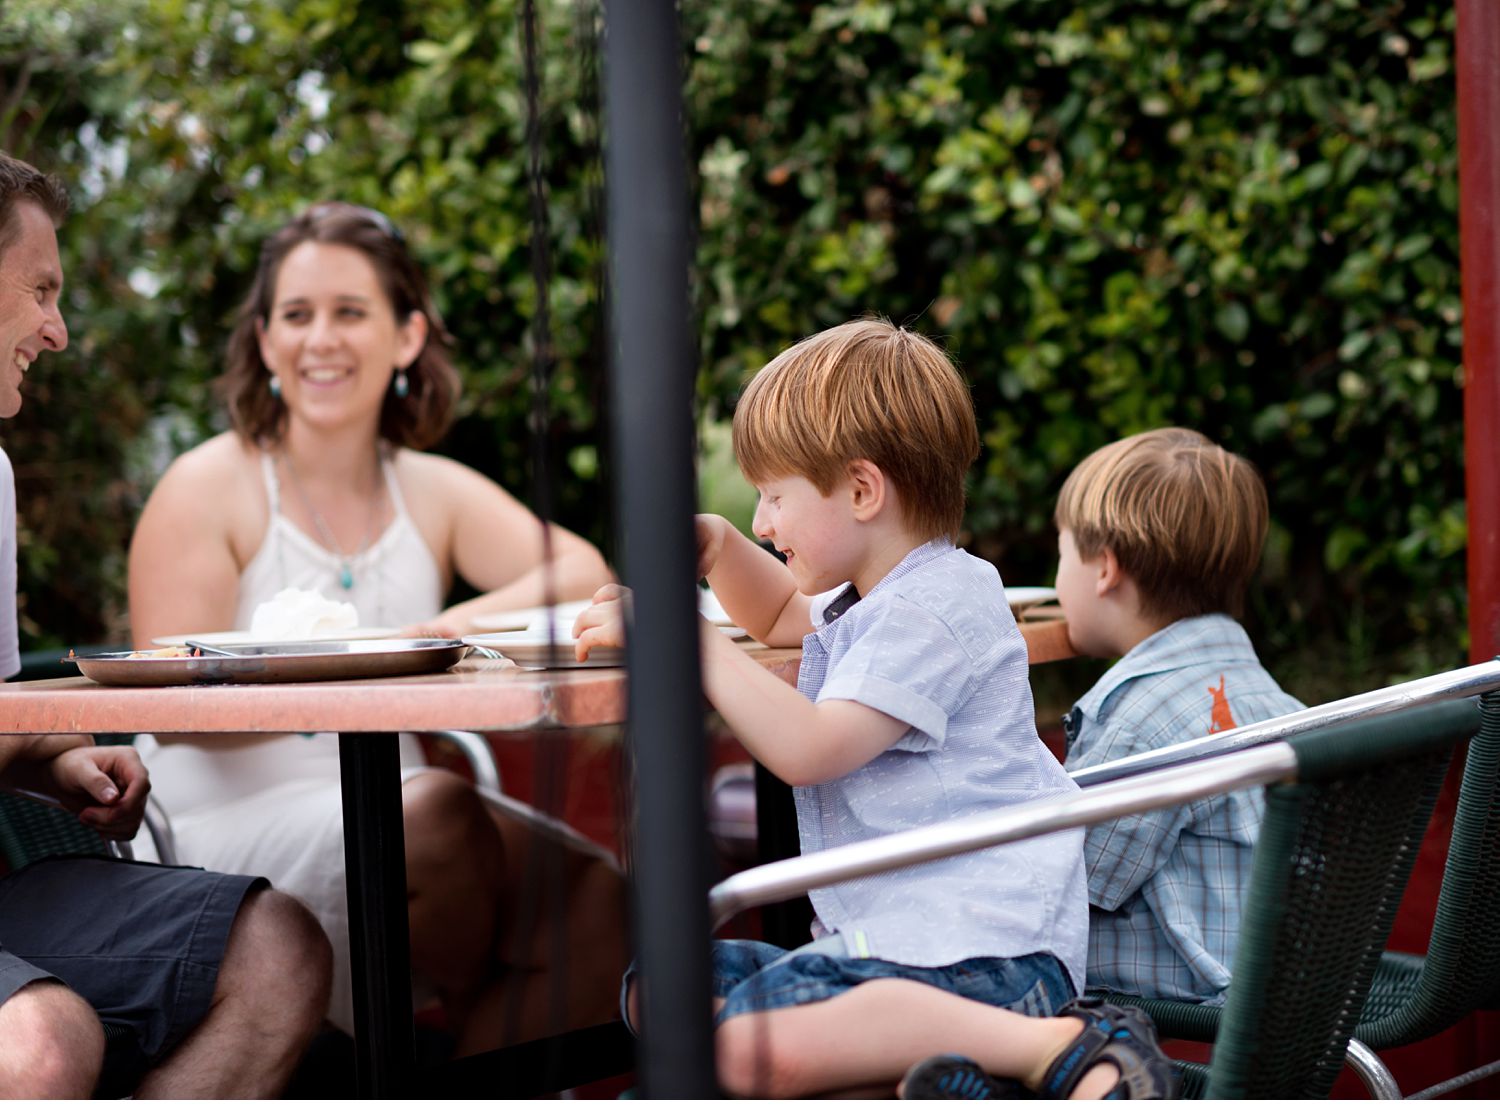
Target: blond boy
pixel 912 707
pixel 1159 535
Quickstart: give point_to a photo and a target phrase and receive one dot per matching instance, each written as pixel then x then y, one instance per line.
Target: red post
pixel 1479 253
pixel 1475 1040
pixel 1479 246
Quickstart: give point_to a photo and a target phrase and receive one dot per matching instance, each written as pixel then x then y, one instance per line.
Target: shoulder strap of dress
pixel 273 488
pixel 392 485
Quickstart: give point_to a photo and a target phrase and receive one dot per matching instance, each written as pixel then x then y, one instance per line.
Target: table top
pixel 476 695
pixel 1046 638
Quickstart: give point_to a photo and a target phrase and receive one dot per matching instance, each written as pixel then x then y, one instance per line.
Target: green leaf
pixel 1344 542
pixel 1233 321
pixel 1309 41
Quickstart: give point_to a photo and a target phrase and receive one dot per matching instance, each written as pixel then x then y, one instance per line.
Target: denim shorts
pixel 752 976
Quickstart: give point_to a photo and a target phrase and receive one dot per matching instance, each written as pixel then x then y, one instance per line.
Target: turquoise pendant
pixel 346 577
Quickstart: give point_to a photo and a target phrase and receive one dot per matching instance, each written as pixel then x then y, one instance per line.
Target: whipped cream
pixel 295 613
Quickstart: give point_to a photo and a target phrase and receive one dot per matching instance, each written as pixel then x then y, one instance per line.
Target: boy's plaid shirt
pixel 1166 888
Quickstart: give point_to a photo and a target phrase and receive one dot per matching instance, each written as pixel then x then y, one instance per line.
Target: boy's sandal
pixel 1124 1037
pixel 951 1077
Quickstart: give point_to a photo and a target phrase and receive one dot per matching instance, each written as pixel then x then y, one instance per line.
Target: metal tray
pixel 277 662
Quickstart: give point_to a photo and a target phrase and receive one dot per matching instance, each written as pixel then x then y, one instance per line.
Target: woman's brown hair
pixel 415 421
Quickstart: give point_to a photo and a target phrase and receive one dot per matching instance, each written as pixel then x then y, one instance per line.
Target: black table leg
pixel 785 924
pixel 379 941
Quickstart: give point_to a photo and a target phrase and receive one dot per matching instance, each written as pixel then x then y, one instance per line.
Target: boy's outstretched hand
pixel 711 531
pixel 602 623
pixel 105 786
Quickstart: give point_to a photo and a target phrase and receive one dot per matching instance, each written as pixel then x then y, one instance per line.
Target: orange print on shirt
pixel 1220 718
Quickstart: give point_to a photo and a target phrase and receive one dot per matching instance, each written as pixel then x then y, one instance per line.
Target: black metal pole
pixel 379 941
pixel 651 401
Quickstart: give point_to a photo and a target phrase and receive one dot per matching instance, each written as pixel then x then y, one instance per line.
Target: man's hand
pixel 711 530
pixel 105 786
pixel 602 623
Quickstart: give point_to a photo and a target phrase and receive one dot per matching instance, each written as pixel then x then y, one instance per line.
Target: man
pixel 211 985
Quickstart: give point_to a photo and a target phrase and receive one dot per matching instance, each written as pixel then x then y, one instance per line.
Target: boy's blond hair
pixel 864 390
pixel 1183 516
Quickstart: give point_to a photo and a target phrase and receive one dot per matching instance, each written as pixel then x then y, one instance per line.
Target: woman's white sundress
pixel 273 808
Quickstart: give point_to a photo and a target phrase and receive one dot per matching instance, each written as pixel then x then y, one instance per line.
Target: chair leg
pixel 1463 1080
pixel 1371 1071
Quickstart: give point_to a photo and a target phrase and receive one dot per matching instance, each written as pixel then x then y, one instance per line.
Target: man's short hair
pixel 23 182
pixel 864 390
pixel 1183 516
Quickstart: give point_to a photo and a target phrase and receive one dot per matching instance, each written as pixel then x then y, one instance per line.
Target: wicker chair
pixel 1415 997
pixel 1334 854
pixel 1345 816
pixel 30 831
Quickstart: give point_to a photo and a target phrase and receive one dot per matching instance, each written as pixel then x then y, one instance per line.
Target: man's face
pixel 30 283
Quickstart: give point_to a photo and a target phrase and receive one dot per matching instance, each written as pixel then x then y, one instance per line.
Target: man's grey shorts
pixel 141 943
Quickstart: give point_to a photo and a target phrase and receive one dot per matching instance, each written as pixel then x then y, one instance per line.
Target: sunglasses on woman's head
pixel 345 209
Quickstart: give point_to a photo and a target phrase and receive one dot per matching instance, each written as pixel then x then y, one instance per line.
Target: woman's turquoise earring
pixel 275 387
pixel 401 386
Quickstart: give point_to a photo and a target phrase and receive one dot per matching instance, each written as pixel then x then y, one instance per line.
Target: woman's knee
pixel 602 892
pixel 53 1046
pixel 443 814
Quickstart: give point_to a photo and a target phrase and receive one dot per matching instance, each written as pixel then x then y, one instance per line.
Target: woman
pixel 338 373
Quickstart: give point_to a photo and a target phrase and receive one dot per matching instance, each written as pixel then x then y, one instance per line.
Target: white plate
pixel 526 649
pixel 532 652
pixel 565 612
pixel 1027 596
pixel 245 638
pixel 521 619
pixel 709 605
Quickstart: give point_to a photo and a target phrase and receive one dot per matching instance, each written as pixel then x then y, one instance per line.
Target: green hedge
pixel 1228 214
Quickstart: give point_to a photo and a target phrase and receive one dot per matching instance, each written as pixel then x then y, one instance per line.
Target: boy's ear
pixel 1111 575
pixel 867 489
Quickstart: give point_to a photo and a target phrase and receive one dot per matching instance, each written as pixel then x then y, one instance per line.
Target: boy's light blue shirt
pixel 1167 888
pixel 935 646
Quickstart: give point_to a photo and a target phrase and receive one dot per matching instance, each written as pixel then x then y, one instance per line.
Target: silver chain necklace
pixel 346 561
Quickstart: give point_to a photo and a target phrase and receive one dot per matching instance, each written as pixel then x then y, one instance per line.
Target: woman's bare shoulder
pixel 439 477
pixel 219 472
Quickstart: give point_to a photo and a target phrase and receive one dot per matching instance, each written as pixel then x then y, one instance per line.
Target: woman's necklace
pixel 346 561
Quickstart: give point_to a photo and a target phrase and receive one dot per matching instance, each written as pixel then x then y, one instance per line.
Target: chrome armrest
pixel 159 828
pixel 788 878
pixel 1469 681
pixel 476 751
